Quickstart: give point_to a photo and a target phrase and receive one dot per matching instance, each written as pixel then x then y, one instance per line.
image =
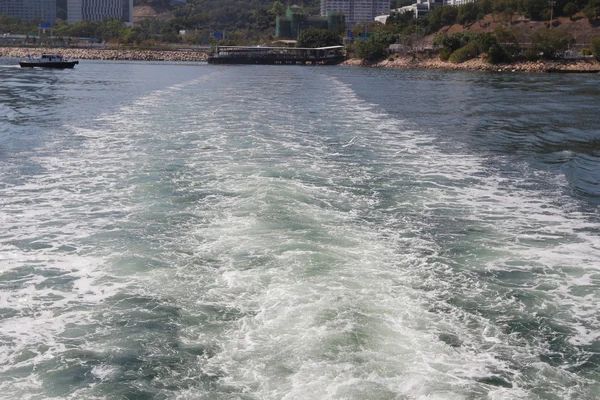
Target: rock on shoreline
pixel 587 65
pixel 96 54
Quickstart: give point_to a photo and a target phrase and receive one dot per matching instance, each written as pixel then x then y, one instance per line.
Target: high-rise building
pixel 28 10
pixel 357 10
pixel 97 10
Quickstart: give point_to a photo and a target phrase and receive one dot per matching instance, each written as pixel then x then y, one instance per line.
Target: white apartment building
pixel 357 10
pixel 422 7
pixel 29 9
pixel 97 10
pixel 457 3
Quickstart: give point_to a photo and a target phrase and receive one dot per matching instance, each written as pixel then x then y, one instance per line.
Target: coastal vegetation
pixel 501 45
pixel 498 31
pixel 16 25
pixel 376 46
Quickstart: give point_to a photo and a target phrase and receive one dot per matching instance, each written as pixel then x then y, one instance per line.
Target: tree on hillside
pixel 371 50
pixel 317 38
pixel 442 16
pixel 277 9
pixel 113 29
pixel 570 9
pixel 509 40
pixel 508 15
pixel 592 10
pixel 376 47
pixel 536 9
pixel 550 42
pixel 467 13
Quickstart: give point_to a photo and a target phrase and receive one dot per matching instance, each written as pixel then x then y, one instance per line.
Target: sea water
pixel 189 231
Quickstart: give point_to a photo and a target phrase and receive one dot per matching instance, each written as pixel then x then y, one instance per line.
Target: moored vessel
pixel 278 55
pixel 48 61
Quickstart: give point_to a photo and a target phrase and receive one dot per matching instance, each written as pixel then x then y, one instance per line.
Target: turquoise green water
pixel 200 232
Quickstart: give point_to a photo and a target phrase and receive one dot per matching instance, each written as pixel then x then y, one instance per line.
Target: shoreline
pixel 401 62
pixel 107 54
pixel 409 62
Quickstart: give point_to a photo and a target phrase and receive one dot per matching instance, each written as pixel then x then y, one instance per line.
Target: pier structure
pixel 330 55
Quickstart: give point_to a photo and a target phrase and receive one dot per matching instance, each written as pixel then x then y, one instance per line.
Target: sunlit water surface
pixel 237 232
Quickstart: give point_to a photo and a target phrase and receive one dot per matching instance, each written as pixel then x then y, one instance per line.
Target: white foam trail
pixel 284 349
pixel 313 269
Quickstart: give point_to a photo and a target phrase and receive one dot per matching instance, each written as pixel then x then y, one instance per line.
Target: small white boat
pixel 48 61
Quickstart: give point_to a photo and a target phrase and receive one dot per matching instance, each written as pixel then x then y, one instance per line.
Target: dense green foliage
pixel 548 43
pixel 502 45
pixel 467 52
pixel 318 38
pixel 17 26
pixel 455 41
pixel 452 44
pixel 376 47
pixel 592 10
pixel 370 50
pixel 569 10
pixel 110 29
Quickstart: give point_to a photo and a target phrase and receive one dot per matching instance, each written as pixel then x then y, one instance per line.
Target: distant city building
pixel 28 10
pixel 457 2
pixel 420 8
pixel 97 10
pixel 356 10
pixel 296 20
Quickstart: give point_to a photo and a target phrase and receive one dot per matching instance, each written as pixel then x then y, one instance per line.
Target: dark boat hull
pixel 55 65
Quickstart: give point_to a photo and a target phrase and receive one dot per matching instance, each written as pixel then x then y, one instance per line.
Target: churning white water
pixel 274 233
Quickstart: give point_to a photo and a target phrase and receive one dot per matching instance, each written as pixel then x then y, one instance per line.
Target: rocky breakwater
pixel 98 54
pixel 565 66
